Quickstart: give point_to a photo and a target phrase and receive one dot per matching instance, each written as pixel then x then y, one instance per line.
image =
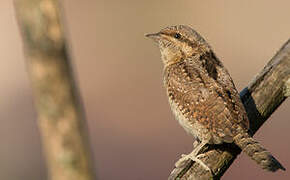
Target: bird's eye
pixel 177 35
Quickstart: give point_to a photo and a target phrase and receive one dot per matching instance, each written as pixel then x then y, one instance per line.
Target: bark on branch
pixel 261 98
pixel 60 114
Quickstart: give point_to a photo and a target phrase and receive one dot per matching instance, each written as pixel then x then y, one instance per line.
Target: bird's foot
pixel 192 157
pixel 197 159
pixel 182 160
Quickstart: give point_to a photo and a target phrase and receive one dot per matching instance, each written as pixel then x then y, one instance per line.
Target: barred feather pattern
pixel 257 152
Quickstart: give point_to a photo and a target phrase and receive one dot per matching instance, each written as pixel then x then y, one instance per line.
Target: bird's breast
pixel 187 121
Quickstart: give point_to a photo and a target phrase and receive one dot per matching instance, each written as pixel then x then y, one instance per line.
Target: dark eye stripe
pixel 181 38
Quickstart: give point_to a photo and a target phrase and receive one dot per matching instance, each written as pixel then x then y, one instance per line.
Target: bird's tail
pixel 258 153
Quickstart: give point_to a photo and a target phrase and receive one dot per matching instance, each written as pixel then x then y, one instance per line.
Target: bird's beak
pixel 154 36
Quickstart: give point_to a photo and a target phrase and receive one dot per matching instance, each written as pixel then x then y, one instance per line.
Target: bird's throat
pixel 170 58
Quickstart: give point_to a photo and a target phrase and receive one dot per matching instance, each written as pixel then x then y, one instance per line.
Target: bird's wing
pixel 211 99
pixel 223 108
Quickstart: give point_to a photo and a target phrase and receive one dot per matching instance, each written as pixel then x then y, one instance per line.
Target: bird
pixel 203 97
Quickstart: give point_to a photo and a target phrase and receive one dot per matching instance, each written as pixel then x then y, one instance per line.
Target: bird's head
pixel 178 42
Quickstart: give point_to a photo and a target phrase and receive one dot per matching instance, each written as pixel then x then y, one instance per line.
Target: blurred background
pixel 132 131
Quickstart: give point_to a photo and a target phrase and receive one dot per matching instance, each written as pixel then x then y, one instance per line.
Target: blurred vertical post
pixel 60 114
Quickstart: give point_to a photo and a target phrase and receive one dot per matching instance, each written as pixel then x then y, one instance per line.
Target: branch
pixel 60 114
pixel 260 98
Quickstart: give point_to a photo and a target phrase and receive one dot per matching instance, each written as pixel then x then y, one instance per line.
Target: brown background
pixel 132 131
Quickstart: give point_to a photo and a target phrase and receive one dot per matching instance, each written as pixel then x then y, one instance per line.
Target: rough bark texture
pixel 60 114
pixel 260 98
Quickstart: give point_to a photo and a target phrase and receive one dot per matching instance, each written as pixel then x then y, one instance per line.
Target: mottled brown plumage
pixel 203 96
